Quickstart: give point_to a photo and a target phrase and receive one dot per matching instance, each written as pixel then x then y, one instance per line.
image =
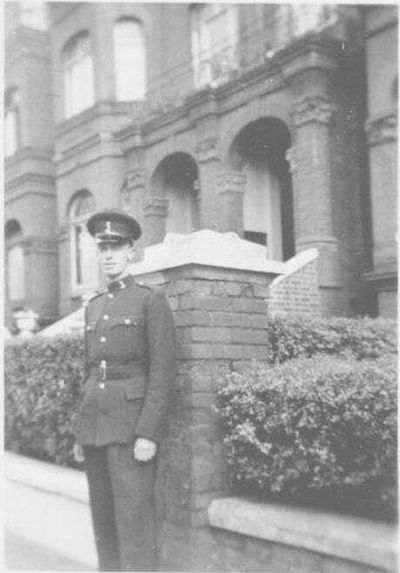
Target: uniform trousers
pixel 121 493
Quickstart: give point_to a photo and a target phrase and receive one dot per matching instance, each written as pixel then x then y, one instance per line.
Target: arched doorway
pixel 259 151
pixel 176 179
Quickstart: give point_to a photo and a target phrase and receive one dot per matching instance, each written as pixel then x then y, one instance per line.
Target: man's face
pixel 114 259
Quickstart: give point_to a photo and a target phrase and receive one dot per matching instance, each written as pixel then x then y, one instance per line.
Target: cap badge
pixel 108 227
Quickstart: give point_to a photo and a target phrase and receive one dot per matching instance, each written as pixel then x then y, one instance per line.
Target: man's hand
pixel 78 453
pixel 144 450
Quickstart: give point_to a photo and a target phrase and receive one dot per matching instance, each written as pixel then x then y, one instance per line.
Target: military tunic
pixel 130 365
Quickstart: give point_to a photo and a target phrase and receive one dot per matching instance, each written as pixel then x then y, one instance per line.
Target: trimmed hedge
pixel 319 430
pixel 43 380
pixel 361 338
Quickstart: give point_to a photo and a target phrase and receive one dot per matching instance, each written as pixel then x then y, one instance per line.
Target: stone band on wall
pixel 208 150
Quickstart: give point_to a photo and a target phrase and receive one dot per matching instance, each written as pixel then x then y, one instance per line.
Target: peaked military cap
pixel 113 227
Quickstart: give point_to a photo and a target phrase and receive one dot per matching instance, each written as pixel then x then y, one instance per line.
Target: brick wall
pixel 220 317
pixel 296 292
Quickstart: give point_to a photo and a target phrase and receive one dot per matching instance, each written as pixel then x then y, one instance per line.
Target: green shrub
pixel 319 430
pixel 362 338
pixel 42 384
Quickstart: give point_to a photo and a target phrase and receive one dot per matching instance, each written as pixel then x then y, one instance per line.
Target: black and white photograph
pixel 200 286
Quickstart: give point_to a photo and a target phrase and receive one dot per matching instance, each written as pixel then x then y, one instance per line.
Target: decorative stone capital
pixel 208 150
pixel 381 129
pixel 231 182
pixel 313 110
pixel 154 206
pixel 34 245
pixel 135 178
pixel 290 157
pixel 63 233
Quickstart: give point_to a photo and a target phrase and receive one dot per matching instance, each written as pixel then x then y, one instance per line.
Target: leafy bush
pixel 42 384
pixel 362 338
pixel 319 430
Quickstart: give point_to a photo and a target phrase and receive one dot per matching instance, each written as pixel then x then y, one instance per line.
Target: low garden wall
pixel 222 326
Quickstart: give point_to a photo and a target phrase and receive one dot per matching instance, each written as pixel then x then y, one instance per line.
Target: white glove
pixel 78 453
pixel 144 449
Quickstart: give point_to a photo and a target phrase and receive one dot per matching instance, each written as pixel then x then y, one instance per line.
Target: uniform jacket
pixel 130 365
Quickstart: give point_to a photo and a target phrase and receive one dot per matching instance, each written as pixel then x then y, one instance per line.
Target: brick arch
pixel 159 156
pixel 259 152
pixel 80 194
pixel 174 183
pixel 171 161
pixel 132 11
pixel 252 112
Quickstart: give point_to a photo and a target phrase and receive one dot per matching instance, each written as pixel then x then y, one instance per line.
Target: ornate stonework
pixel 232 182
pixel 155 207
pixel 135 178
pixel 382 129
pixel 63 232
pixel 208 150
pixel 290 157
pixel 313 110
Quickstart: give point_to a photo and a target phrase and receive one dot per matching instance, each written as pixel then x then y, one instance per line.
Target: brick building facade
pixel 277 122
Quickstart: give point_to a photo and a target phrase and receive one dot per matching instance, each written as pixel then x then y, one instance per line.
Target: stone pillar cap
pixel 207 248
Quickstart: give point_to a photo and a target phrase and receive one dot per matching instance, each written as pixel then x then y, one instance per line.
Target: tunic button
pixel 110 295
pixel 101 385
pixel 106 317
pixel 127 320
pixel 102 339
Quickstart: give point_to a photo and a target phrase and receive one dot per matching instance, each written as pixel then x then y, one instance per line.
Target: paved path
pixel 21 555
pixel 47 529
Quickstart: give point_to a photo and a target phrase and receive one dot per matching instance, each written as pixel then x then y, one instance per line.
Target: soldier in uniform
pixel 121 417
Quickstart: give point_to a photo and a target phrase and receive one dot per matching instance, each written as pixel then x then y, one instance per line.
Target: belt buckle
pixel 103 369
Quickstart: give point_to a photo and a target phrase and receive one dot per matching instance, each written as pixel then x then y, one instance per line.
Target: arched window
pixel 83 249
pixel 78 75
pixel 214 29
pixel 130 60
pixel 15 262
pixel 11 122
pixel 33 14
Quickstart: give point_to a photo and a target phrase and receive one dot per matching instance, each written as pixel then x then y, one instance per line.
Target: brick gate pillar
pixel 155 213
pixel 311 167
pixel 231 188
pixel 217 286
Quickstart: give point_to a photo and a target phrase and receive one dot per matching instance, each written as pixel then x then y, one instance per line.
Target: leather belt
pixel 110 370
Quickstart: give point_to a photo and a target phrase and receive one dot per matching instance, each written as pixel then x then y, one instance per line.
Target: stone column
pixel 155 210
pixel 134 192
pixel 382 141
pixel 231 188
pixel 64 270
pixel 41 267
pixel 208 159
pixel 310 160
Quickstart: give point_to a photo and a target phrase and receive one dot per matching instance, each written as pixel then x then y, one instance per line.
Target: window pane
pixel 33 14
pixel 16 286
pixel 78 77
pixel 130 61
pixel 10 133
pixel 214 40
pixel 88 259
